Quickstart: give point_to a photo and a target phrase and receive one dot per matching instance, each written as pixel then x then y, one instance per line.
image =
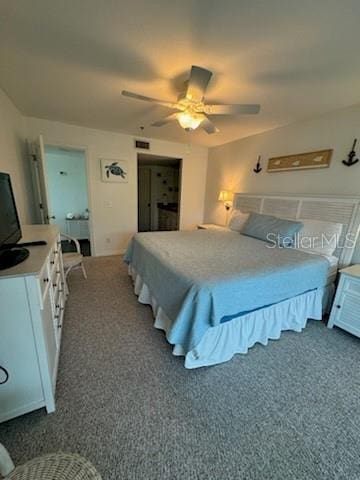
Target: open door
pixel 144 199
pixel 60 186
pixel 159 186
pixel 38 167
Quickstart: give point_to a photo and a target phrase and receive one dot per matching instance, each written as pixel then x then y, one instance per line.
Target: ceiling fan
pixel 192 110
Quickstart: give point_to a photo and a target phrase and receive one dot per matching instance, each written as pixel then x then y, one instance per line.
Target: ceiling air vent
pixel 142 144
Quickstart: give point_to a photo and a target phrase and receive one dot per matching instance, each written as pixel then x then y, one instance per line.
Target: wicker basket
pixel 56 466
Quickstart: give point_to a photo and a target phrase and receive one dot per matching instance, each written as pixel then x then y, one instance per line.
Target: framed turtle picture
pixel 114 170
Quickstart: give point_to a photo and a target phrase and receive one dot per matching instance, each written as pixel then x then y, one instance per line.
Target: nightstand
pixel 345 312
pixel 211 226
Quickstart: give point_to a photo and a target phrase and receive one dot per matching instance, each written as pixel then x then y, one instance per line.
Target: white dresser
pixel 32 303
pixel 345 312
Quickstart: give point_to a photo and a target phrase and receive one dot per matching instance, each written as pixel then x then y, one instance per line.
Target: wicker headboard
pixel 345 210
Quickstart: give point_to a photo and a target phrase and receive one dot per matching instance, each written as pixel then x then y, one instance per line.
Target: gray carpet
pixel 290 410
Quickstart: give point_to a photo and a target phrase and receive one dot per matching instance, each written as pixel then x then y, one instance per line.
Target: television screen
pixel 10 231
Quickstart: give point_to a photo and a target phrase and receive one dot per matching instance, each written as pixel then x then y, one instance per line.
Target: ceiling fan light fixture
pixel 189 121
pixel 192 110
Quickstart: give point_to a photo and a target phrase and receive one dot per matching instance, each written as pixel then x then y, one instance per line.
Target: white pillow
pixel 237 220
pixel 318 237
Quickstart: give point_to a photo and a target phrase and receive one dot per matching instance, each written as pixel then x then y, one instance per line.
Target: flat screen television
pixel 10 231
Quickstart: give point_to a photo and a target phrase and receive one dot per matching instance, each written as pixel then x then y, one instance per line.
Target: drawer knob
pixel 5 375
pixel 59 326
pixel 338 306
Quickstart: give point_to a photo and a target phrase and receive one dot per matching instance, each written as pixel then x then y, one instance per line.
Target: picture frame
pixel 300 161
pixel 114 171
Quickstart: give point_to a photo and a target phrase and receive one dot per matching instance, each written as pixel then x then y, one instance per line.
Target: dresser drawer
pixel 55 276
pixel 49 333
pixel 44 282
pixel 58 292
pixel 351 285
pixel 54 254
pixel 59 316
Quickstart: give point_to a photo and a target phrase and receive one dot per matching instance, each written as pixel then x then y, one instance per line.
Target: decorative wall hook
pixel 258 168
pixel 351 160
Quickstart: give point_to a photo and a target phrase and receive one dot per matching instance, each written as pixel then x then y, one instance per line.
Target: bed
pixel 217 293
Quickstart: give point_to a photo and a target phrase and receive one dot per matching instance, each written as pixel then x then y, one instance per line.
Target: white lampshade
pixel 225 196
pixel 189 121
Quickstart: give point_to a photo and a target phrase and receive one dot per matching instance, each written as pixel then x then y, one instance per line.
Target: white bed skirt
pixel 222 342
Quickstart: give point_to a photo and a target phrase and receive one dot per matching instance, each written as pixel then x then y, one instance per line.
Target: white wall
pixel 13 156
pixel 114 226
pixel 67 190
pixel 230 165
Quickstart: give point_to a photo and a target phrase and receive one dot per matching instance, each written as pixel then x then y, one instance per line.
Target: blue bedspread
pixel 201 277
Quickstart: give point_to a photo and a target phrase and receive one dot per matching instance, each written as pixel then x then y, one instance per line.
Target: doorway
pixel 68 194
pixel 60 175
pixel 159 186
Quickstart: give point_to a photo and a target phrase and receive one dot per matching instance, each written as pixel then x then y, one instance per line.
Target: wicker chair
pixel 54 466
pixel 73 259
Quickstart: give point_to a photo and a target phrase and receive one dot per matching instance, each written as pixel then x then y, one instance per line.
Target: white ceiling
pixel 69 60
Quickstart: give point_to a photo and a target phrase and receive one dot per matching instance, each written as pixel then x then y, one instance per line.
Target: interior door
pixel 144 199
pixel 39 181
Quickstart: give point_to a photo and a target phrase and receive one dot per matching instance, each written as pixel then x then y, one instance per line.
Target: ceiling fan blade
pixel 198 82
pixel 208 126
pixel 241 109
pixel 165 120
pixel 125 93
